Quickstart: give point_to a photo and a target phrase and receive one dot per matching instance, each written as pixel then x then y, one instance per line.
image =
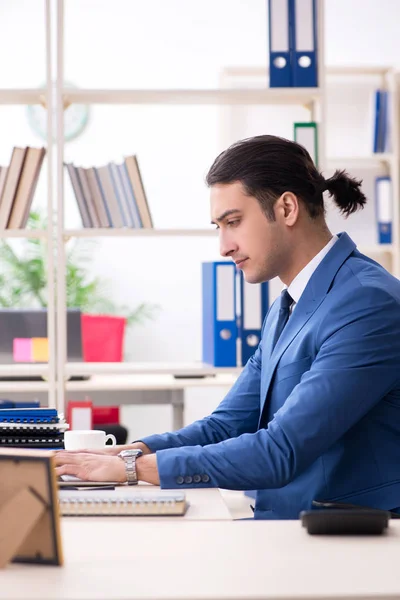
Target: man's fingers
pixel 62 458
pixel 68 470
pixel 86 451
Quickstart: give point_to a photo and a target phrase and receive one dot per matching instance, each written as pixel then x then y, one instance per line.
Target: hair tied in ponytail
pixel 346 192
pixel 323 187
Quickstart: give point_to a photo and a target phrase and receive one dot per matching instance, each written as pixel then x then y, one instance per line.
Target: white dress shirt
pixel 299 283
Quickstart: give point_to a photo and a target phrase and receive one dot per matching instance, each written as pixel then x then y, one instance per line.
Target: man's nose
pixel 226 245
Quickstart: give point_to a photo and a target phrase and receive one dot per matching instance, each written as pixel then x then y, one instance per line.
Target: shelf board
pixel 126 232
pixel 26 387
pixel 147 368
pixel 23 369
pixel 22 96
pixel 218 96
pixel 358 70
pixel 361 161
pixel 150 382
pixel 253 71
pixel 23 233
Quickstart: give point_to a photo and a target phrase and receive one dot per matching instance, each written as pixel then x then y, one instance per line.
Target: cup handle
pixel 111 437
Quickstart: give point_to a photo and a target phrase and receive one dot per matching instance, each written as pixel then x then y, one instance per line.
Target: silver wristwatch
pixel 129 457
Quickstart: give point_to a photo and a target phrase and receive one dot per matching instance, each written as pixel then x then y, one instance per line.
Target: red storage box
pixel 105 415
pixel 103 338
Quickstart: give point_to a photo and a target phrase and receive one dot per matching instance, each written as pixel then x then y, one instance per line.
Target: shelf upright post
pixel 321 117
pixel 394 164
pixel 61 260
pixel 51 330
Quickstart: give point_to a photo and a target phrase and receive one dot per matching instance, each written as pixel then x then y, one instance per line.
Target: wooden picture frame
pixel 29 510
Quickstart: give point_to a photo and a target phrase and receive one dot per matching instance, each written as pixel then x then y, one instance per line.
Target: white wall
pixel 171 44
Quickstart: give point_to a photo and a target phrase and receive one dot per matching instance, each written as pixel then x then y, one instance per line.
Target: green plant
pixel 23 279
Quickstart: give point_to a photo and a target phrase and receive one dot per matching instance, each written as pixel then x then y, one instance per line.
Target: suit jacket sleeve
pixel 357 364
pixel 238 413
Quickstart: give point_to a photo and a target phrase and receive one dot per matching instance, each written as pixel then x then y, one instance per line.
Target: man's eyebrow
pixel 225 214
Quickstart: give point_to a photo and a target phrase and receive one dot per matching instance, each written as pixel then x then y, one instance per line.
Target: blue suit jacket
pixel 319 416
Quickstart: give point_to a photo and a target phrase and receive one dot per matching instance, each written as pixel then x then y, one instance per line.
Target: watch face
pixel 128 453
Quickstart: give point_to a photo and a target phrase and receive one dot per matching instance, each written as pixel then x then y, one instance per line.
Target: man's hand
pixel 92 467
pixel 114 450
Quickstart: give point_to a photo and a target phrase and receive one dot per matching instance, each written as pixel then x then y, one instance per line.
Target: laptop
pixel 23 334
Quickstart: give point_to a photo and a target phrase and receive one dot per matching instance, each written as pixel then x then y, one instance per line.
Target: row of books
pixel 112 195
pixel 18 182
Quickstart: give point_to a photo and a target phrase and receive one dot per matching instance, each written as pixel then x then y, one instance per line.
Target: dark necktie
pixel 284 312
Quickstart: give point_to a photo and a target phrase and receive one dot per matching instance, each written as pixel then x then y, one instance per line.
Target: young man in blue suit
pixel 315 413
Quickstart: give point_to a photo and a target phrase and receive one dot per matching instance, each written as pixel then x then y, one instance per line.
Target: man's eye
pixel 232 223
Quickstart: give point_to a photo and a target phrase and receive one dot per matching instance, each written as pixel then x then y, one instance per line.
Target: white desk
pixel 192 560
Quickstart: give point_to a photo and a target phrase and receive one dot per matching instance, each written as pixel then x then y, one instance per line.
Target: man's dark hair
pixel 267 166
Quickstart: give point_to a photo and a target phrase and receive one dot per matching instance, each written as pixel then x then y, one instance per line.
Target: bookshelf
pixel 240 89
pixel 310 98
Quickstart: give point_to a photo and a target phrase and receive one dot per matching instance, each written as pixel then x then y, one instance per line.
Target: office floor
pixel 238 504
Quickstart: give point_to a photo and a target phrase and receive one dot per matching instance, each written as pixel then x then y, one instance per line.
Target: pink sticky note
pixel 22 349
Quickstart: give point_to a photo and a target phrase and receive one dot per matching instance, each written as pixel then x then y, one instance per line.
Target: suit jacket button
pixel 188 479
pixel 196 478
pixel 180 480
pixel 205 478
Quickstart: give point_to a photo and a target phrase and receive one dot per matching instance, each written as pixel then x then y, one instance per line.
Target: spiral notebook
pixel 85 503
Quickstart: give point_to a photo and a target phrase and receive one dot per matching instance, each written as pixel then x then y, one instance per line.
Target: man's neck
pixel 305 250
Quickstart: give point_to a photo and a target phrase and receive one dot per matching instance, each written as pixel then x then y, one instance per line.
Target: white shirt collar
pixel 299 283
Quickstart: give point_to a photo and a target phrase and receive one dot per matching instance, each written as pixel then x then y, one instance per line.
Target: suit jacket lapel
pixel 302 313
pixel 310 300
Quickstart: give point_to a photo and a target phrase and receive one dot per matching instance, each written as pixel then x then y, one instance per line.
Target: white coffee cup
pixel 92 439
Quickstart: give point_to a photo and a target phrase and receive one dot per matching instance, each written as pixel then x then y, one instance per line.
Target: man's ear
pixel 289 208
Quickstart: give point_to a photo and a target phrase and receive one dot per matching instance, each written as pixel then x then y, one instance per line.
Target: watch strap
pixel 130 469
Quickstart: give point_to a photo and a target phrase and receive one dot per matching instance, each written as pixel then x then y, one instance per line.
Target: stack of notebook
pixel 32 428
pixel 120 504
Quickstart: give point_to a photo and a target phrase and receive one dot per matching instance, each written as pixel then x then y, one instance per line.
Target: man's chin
pixel 251 278
pixel 255 277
